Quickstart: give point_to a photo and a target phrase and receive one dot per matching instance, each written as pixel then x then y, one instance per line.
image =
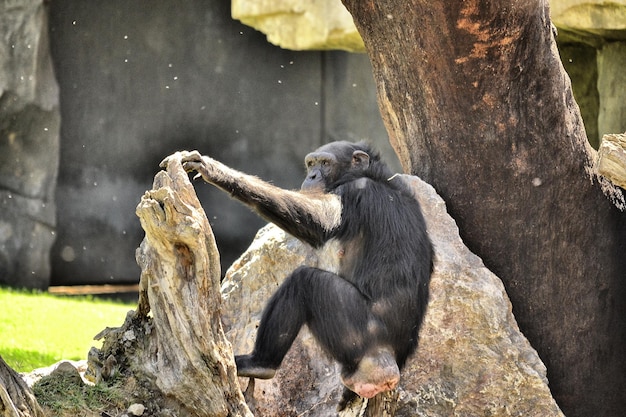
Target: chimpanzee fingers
pixel 203 168
pixel 193 161
pixel 183 156
pixel 198 167
pixel 190 156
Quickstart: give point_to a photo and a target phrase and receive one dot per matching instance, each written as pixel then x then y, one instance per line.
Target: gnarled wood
pixel 476 103
pixel 173 346
pixel 16 399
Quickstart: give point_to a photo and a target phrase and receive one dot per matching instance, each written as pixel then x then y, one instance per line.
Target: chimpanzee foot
pixel 249 368
pixel 377 372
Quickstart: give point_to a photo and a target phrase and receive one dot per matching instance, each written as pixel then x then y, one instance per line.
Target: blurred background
pixel 95 94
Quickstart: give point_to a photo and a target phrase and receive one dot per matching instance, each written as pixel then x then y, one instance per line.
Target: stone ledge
pixel 590 19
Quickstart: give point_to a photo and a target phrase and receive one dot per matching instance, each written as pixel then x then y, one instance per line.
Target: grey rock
pixel 136 409
pixel 29 145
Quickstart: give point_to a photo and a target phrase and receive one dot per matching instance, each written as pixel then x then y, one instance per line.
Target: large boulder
pixel 29 145
pixel 138 82
pixel 472 358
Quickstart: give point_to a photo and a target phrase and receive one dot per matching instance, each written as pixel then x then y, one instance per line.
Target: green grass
pixel 38 329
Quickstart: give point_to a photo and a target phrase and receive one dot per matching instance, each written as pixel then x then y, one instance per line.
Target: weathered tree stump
pixel 16 398
pixel 172 349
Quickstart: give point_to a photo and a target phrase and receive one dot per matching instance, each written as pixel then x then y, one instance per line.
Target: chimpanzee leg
pixel 336 312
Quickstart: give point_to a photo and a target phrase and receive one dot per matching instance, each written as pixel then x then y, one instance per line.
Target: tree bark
pixel 476 102
pixel 172 349
pixel 16 398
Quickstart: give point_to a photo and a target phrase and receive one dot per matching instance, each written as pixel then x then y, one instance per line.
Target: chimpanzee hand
pixel 203 165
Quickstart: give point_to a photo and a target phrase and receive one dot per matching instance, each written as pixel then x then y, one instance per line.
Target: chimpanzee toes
pixel 248 367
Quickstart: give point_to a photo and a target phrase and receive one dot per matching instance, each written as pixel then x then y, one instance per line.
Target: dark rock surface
pixel 29 145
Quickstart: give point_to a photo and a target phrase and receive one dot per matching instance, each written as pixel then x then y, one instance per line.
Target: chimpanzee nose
pixel 314 179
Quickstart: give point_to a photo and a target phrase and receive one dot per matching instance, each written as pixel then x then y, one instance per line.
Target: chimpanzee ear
pixel 360 159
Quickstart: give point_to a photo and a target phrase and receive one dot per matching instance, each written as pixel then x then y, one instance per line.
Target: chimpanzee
pixel 366 314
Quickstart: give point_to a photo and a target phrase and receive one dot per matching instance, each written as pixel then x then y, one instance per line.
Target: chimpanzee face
pixel 330 162
pixel 321 170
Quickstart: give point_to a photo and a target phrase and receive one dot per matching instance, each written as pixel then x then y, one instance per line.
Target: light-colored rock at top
pixel 301 25
pixel 592 17
pixel 611 161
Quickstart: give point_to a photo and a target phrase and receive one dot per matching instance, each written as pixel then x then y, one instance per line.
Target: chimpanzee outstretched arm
pixel 367 310
pixel 308 216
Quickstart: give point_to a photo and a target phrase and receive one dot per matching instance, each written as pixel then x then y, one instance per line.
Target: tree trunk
pixel 476 102
pixel 16 399
pixel 176 359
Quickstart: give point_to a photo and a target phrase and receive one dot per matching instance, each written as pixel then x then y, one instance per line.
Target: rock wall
pixel 138 83
pixel 29 145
